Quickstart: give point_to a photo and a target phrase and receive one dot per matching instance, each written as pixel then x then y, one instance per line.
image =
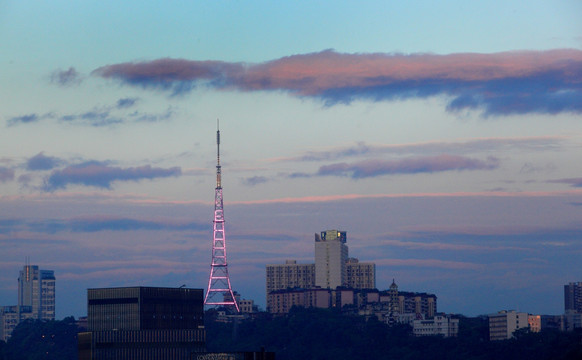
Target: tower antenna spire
pixel 218 168
pixel 219 292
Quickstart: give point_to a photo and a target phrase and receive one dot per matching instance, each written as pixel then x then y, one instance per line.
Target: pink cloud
pixel 499 83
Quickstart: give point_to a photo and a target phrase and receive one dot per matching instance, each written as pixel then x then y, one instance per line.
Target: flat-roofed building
pixel 417 303
pixel 360 275
pixel 573 297
pixel 143 323
pixel 442 325
pixel 331 255
pixel 36 289
pixel 289 276
pixel 503 324
pixel 283 300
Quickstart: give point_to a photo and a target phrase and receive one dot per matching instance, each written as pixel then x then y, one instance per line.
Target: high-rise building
pixel 36 300
pixel 331 254
pixel 573 297
pixel 360 275
pixel 289 275
pixel 143 323
pixel 36 289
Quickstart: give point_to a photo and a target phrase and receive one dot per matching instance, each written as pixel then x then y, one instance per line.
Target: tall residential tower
pixel 331 254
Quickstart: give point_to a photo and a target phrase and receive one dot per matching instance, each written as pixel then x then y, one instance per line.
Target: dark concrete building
pixel 143 323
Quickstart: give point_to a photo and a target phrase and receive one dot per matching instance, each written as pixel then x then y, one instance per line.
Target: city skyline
pixel 444 138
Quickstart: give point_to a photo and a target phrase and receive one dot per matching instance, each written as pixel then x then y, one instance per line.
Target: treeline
pixel 326 334
pixel 39 339
pixel 319 334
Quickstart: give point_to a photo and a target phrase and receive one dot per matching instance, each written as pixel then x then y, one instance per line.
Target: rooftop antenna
pixel 218 168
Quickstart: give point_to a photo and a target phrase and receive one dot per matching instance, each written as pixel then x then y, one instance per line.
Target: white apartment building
pixel 503 324
pixel 331 254
pixel 439 325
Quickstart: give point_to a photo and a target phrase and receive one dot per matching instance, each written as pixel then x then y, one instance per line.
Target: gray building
pixel 36 299
pixel 36 289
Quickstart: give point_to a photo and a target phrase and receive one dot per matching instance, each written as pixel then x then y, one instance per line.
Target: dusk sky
pixel 444 137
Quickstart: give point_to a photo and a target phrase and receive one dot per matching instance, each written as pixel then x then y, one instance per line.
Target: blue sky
pixel 444 137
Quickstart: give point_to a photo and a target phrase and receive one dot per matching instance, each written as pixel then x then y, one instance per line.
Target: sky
pixel 444 137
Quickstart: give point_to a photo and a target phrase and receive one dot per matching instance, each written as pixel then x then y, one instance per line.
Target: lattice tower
pixel 219 292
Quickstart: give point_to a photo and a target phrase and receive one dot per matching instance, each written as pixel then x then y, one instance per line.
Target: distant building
pixel 573 297
pixel 534 323
pixel 143 323
pixel 36 300
pixel 331 254
pixel 332 269
pixel 503 324
pixel 417 303
pixel 36 289
pixel 8 320
pixel 281 301
pixel 572 320
pixel 246 306
pixel 360 275
pixel 442 325
pixel 554 322
pixel 288 276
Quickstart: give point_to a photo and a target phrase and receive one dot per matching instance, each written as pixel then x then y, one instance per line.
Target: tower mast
pixel 219 292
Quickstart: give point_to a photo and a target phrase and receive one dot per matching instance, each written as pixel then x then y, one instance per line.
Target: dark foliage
pixel 326 334
pixel 46 340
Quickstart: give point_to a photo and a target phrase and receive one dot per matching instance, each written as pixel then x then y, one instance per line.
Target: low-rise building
pixel 442 325
pixel 503 324
pixel 281 301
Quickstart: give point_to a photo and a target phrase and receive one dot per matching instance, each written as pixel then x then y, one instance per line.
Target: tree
pixel 39 339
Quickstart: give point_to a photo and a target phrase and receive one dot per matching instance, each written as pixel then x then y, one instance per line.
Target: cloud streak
pixel 539 143
pixel 575 182
pixel 101 175
pixel 504 83
pixel 95 224
pixel 98 116
pixel 414 165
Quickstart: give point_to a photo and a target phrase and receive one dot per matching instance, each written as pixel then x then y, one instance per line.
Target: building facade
pixel 360 275
pixel 281 301
pixel 442 325
pixel 331 254
pixel 503 324
pixel 143 323
pixel 289 275
pixel 36 300
pixel 573 297
pixel 36 289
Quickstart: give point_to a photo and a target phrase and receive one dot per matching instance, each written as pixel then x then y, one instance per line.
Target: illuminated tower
pixel 219 291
